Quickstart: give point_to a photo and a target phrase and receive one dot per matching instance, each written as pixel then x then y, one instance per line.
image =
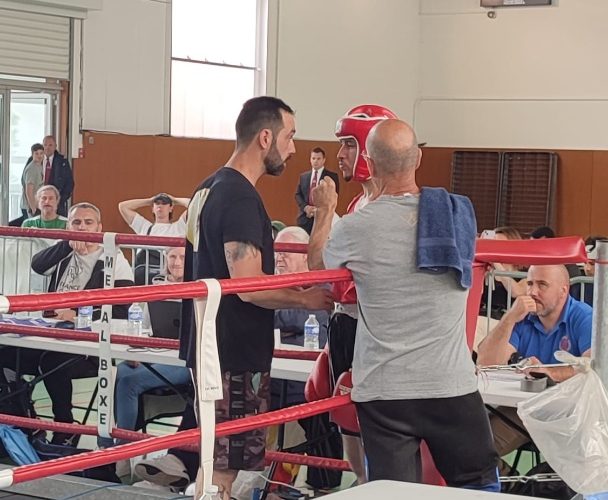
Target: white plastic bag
pixel 569 424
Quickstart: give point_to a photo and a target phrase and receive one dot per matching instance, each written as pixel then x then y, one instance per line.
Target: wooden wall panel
pixel 117 167
pixel 578 211
pixel 598 224
pixel 435 168
pixel 573 197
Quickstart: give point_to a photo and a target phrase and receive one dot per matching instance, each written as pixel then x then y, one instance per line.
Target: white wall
pixel 531 77
pixel 335 54
pixel 125 67
pixel 324 57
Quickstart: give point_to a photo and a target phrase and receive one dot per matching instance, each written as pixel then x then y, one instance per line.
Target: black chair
pixel 161 403
pixel 526 447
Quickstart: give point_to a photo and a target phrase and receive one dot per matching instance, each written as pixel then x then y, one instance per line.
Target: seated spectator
pixel 500 294
pixel 162 209
pixel 291 321
pixel 544 320
pixel 589 269
pixel 133 378
pixel 72 265
pixel 277 226
pixel 31 180
pixel 542 232
pixel 47 198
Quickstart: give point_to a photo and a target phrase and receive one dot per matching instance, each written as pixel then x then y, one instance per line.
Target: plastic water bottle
pixel 136 320
pixel 85 317
pixel 311 332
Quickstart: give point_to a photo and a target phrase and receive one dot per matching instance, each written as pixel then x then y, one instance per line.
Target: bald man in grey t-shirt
pixel 413 377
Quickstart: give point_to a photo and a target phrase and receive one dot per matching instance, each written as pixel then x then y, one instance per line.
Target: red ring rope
pixel 122 452
pixel 150 342
pixel 189 290
pixel 523 252
pixel 121 238
pixel 294 458
pixel 62 333
pixel 89 430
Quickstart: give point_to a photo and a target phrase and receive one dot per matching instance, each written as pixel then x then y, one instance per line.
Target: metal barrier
pixel 16 275
pixel 150 263
pixel 490 281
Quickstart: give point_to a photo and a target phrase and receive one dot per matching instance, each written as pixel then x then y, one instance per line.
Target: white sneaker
pixel 165 471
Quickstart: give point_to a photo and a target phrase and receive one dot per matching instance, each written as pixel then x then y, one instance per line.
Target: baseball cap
pixel 163 198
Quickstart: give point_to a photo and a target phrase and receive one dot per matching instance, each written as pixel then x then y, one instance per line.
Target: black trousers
pixel 58 384
pixel 456 430
pixel 190 459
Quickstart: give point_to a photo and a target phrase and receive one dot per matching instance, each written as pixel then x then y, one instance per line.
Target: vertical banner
pixel 208 375
pixel 105 394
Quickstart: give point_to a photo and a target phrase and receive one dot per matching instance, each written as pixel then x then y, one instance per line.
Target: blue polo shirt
pixel 572 333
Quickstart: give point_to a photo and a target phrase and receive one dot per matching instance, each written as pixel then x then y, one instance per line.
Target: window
pixel 218 62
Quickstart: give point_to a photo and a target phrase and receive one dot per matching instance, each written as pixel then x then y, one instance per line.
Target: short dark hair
pixel 257 114
pixel 318 150
pixel 542 232
pixel 37 147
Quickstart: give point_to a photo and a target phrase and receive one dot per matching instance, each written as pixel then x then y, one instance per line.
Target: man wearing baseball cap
pixel 148 262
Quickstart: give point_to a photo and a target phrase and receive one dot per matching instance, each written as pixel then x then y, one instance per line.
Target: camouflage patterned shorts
pixel 245 394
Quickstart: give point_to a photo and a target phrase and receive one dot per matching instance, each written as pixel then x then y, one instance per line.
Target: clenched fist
pixel 523 305
pixel 324 196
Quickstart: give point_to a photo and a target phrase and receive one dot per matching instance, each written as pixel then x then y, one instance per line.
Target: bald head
pixel 557 274
pixel 393 148
pixel 548 286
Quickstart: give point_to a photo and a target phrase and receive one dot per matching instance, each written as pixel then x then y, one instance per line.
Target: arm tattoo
pixel 238 250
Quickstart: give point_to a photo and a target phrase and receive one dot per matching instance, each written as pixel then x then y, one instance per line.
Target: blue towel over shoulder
pixel 446 234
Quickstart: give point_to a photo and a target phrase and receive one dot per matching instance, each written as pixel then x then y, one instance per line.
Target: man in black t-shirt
pixel 235 241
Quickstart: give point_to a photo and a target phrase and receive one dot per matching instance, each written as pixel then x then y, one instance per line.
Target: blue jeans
pixel 131 383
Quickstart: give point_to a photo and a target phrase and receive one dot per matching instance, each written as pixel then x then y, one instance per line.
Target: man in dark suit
pixel 58 173
pixel 308 181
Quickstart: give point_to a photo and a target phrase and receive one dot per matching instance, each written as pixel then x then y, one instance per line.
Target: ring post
pixel 208 379
pixel 599 344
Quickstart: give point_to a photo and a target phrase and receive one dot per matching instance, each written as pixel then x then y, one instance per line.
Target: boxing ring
pixel 206 295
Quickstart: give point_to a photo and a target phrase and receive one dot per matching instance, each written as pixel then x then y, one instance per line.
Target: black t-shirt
pixel 233 211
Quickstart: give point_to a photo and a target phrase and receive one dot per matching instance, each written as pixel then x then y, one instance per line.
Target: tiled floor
pixel 83 389
pixel 82 394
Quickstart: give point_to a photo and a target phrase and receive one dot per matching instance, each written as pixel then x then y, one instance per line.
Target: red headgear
pixel 356 124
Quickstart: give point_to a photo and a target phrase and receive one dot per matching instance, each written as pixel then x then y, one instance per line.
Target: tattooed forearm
pixel 236 251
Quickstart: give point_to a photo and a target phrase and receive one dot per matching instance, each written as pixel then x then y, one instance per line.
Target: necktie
pixel 313 185
pixel 47 172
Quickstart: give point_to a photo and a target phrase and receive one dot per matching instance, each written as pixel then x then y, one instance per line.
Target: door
pixel 27 116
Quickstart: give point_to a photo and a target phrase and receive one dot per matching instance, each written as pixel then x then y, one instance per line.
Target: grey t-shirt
pixel 410 341
pixel 32 174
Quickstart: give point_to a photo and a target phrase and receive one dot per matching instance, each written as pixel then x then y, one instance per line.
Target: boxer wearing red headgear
pixel 352 130
pixel 355 125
